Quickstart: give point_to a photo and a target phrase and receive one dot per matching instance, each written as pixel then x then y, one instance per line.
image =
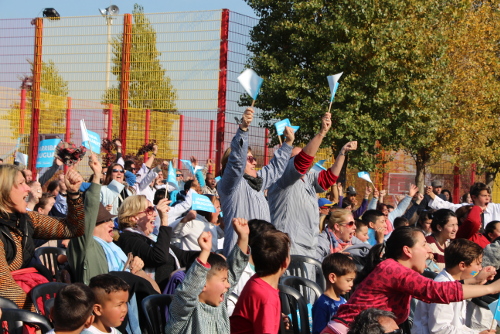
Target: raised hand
pixel 247 118
pixel 73 180
pixel 289 135
pixel 205 242
pixel 413 190
pixel 350 146
pixel 94 164
pixel 326 123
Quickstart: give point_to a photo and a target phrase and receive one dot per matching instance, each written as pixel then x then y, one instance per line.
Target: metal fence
pixel 169 77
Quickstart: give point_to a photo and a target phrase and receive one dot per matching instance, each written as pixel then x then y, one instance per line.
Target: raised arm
pixel 73 225
pixel 329 177
pixel 276 167
pixel 236 163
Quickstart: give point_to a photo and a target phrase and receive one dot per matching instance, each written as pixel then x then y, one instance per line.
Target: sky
pixel 34 8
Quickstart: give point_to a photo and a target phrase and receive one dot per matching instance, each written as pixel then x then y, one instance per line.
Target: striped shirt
pixel 237 198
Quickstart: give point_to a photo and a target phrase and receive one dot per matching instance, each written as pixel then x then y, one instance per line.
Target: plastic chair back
pixel 310 290
pixel 48 257
pixel 292 303
pixel 154 307
pixel 302 266
pixel 45 291
pixel 7 303
pixel 16 318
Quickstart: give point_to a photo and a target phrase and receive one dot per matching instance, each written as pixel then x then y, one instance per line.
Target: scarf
pixel 114 254
pixel 18 224
pixel 336 245
pixel 254 182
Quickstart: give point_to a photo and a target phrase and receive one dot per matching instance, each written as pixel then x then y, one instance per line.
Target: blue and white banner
pixel 333 84
pixel 46 150
pixel 90 139
pixel 280 126
pixel 203 203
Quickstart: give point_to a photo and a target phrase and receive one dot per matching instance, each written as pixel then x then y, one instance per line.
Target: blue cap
pixel 324 202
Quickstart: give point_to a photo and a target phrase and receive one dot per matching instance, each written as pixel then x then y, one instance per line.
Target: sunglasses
pixel 351 223
pixel 251 159
pixel 117 171
pixel 179 175
pixel 136 169
pixel 149 210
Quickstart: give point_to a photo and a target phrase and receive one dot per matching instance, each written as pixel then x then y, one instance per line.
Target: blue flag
pixel 203 203
pixel 46 150
pixel 172 177
pixel 494 308
pixel 280 126
pixel 319 166
pixel 189 165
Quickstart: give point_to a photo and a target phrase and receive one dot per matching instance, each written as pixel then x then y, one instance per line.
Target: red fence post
pixel 125 79
pixel 68 125
pixel 22 111
pixel 181 133
pixel 35 105
pixel 266 148
pixel 146 134
pixel 456 185
pixel 221 107
pixel 473 174
pixel 110 121
pixel 211 145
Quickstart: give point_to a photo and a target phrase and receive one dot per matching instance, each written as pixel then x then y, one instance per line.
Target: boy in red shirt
pixel 258 309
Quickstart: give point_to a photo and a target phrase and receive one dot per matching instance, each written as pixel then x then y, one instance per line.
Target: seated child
pixel 199 303
pixel 462 261
pixel 361 233
pixel 376 226
pixel 401 221
pixel 258 309
pixel 72 311
pixel 111 295
pixel 339 271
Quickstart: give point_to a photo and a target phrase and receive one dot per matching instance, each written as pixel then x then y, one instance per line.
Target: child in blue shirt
pixel 339 271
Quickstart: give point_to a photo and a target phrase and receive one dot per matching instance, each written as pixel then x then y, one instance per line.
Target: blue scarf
pixel 114 254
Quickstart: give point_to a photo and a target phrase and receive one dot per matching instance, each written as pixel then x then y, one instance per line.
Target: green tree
pixel 149 87
pixel 53 97
pixel 396 88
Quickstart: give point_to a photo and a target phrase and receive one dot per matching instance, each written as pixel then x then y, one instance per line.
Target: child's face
pixel 215 288
pixel 114 309
pixel 379 224
pixel 475 267
pixel 343 284
pixel 362 233
pixel 496 232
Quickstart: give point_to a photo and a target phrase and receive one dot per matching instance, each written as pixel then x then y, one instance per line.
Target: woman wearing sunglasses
pixel 115 188
pixel 337 235
pixel 136 218
pixel 392 276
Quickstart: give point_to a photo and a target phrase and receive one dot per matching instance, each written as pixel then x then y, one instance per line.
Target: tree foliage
pixel 53 100
pixel 398 88
pixel 149 87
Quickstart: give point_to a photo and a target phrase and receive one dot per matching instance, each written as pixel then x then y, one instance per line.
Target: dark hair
pixel 389 206
pixel 449 195
pixel 257 227
pixel 372 216
pixel 43 201
pixel 52 185
pixel 461 250
pixel 381 206
pixel 339 264
pixel 477 187
pixel 492 225
pixel 424 215
pixel 360 223
pixel 217 263
pixel 269 251
pixel 159 195
pixel 107 283
pixel 73 305
pixel 188 185
pixel 128 165
pixel 109 174
pixel 441 218
pixel 345 203
pixel 463 199
pixel 400 221
pixel 367 322
pixel 390 249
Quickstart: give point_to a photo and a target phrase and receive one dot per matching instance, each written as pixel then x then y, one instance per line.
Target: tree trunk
pixel 490 179
pixel 420 177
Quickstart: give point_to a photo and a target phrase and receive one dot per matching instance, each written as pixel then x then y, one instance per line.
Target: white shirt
pixel 492 211
pixel 93 330
pixel 187 234
pixel 441 318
